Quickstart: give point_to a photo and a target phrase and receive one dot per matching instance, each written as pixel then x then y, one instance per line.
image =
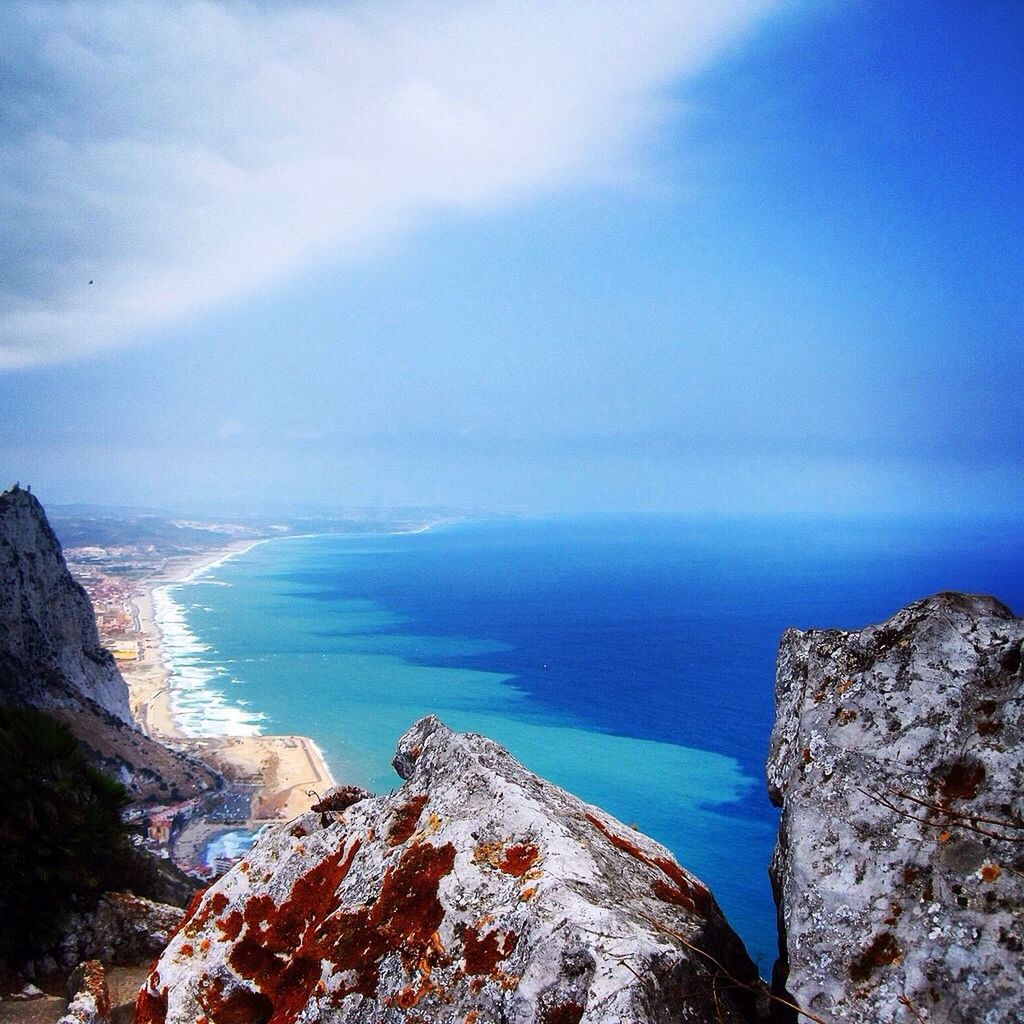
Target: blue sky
pixel 726 258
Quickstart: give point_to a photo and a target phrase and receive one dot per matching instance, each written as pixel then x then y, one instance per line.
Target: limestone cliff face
pixel 897 759
pixel 477 892
pixel 51 660
pixel 46 620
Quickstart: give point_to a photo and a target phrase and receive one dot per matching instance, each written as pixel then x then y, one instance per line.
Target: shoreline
pixel 281 769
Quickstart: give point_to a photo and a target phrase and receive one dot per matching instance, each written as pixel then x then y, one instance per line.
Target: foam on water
pixel 198 703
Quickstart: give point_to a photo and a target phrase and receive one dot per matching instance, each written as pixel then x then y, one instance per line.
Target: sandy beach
pixel 285 769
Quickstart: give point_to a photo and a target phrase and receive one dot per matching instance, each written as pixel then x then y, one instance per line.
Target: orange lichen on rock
pixel 231 926
pixel 563 1013
pixel 684 891
pixel 278 951
pixel 518 859
pixel 961 779
pixel 489 853
pixel 405 819
pixel 238 1005
pixel 151 1003
pixel 882 952
pixel 990 872
pixel 482 952
pixel 284 944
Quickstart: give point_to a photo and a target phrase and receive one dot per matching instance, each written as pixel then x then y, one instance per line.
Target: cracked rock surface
pixel 475 893
pixel 899 869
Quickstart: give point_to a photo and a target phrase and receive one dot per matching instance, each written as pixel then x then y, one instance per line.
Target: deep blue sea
pixel 629 660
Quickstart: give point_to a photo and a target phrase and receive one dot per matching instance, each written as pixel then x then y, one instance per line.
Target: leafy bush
pixel 62 841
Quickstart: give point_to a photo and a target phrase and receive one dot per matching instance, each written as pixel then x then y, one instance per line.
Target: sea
pixel 630 660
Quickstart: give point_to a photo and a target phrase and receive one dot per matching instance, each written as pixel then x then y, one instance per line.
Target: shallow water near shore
pixel 631 661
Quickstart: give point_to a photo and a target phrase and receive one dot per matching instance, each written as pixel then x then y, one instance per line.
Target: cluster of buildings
pixel 110 577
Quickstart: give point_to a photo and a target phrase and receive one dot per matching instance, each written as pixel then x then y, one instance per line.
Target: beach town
pixel 268 779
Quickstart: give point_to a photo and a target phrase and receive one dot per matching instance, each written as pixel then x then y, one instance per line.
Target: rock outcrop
pixel 122 929
pixel 46 620
pixel 897 760
pixel 51 660
pixel 477 892
pixel 90 996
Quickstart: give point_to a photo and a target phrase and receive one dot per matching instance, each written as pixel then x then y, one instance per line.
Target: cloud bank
pixel 159 158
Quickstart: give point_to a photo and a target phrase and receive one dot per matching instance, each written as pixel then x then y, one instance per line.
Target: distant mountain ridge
pixel 51 659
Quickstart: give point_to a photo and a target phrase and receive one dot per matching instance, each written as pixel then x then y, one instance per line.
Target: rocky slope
pixel 899 870
pixel 476 893
pixel 51 659
pixel 46 620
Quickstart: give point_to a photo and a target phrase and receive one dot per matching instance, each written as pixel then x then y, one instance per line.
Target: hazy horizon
pixel 744 259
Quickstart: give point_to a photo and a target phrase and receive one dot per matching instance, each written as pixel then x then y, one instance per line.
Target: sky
pixel 726 258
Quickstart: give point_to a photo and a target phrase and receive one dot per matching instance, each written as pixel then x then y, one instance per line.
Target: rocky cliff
pixel 899 870
pixel 51 659
pixel 46 620
pixel 477 893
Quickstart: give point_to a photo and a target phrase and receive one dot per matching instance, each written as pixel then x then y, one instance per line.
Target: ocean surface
pixel 629 660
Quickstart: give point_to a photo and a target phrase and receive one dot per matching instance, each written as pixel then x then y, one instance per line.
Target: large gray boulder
pixel 477 892
pixel 899 870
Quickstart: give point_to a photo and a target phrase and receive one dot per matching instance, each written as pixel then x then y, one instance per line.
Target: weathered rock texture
pixel 122 929
pixel 90 1000
pixel 51 660
pixel 476 892
pixel 899 870
pixel 46 620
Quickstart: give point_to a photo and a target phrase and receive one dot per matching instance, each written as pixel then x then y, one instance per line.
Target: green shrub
pixel 62 841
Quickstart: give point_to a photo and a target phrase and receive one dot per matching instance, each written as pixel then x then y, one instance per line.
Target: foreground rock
pixel 51 660
pixel 477 893
pixel 90 997
pixel 897 760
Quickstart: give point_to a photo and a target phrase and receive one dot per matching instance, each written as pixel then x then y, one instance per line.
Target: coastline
pixel 281 770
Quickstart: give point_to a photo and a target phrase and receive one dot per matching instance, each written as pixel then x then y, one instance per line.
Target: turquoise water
pixel 231 844
pixel 629 661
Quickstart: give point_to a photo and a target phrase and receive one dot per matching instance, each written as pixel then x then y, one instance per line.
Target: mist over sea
pixel 629 660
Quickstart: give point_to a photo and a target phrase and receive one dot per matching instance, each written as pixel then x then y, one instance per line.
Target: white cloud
pixel 178 155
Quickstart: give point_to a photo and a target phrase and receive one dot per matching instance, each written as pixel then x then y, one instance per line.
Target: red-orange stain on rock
pixel 563 1013
pixel 481 953
pixel 200 910
pixel 237 1006
pixel 684 892
pixel 961 779
pixel 150 1009
pixel 687 892
pixel 882 952
pixel 403 919
pixel 404 823
pixel 518 859
pixel 151 1003
pixel 284 945
pixel 279 953
pixel 231 926
pixel 408 997
pixel 190 913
